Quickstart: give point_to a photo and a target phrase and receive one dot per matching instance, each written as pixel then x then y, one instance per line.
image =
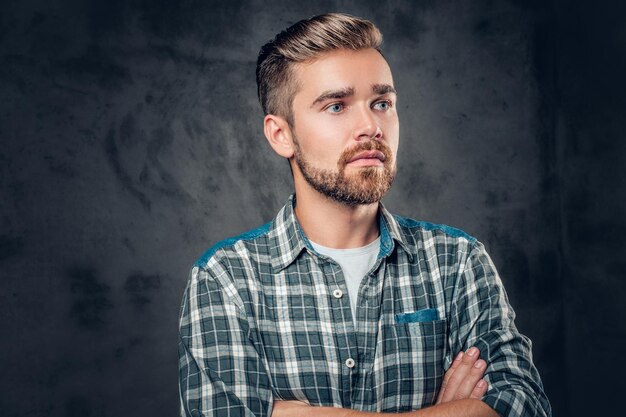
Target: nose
pixel 367 126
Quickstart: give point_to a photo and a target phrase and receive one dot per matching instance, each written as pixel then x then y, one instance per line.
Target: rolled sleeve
pixel 482 317
pixel 220 371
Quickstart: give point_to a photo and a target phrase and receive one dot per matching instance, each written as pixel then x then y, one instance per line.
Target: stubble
pixel 365 186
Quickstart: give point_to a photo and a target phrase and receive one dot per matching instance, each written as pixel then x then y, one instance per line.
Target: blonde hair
pixel 301 42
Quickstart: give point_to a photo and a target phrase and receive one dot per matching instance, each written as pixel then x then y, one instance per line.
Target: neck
pixel 333 224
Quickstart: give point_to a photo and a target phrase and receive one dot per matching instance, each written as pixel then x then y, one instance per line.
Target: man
pixel 337 307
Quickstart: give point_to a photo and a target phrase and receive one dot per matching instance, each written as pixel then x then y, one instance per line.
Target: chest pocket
pixel 411 359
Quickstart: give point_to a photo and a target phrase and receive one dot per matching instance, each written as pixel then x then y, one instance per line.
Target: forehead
pixel 343 68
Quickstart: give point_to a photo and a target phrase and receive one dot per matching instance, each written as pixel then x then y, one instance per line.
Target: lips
pixel 374 154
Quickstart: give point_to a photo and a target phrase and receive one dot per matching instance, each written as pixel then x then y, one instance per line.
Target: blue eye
pixel 335 108
pixel 382 105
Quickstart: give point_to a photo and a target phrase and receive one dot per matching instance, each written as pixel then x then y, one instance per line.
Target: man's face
pixel 345 126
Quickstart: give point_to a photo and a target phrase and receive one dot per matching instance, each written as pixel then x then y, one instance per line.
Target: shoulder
pixel 228 248
pixel 427 230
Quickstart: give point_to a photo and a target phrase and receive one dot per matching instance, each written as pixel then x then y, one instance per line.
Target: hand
pixel 464 378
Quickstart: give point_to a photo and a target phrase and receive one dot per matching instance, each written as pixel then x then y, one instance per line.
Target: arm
pixel 459 408
pixel 481 316
pixel 460 394
pixel 220 372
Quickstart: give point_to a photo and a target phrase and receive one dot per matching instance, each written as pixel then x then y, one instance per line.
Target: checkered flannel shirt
pixel 266 318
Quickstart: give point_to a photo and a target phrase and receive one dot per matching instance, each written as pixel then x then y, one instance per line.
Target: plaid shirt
pixel 265 318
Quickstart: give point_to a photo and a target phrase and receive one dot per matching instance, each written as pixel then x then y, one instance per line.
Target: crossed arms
pixel 223 370
pixel 460 394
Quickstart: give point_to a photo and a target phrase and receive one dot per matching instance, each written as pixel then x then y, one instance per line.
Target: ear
pixel 278 134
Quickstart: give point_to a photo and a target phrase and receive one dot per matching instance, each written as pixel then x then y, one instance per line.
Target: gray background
pixel 131 141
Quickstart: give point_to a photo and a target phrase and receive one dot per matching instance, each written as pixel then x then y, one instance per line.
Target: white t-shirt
pixel 354 263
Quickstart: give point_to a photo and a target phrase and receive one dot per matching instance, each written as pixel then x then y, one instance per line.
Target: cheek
pixel 321 139
pixel 392 130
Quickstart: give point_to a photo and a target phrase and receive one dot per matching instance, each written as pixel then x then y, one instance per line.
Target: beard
pixel 365 186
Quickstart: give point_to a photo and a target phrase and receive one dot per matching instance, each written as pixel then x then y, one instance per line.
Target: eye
pixel 335 108
pixel 382 105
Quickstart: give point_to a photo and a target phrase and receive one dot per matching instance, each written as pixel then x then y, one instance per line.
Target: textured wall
pixel 131 140
pixel 592 150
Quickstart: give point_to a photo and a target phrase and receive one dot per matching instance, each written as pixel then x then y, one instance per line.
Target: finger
pixel 455 364
pixel 460 374
pixel 461 369
pixel 473 377
pixel 479 390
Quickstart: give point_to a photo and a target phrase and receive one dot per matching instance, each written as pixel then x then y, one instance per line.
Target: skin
pixel 324 133
pixel 347 98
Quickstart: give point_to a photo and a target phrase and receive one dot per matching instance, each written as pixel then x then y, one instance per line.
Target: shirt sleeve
pixel 220 371
pixel 481 316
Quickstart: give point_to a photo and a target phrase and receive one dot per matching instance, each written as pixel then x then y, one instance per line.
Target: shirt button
pixel 350 363
pixel 337 293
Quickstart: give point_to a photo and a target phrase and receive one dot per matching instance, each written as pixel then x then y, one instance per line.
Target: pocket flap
pixel 428 314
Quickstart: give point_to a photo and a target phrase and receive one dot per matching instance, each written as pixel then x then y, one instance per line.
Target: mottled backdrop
pixel 131 140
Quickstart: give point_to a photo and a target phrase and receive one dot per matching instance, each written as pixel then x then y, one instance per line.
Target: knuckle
pixel 456 379
pixel 459 396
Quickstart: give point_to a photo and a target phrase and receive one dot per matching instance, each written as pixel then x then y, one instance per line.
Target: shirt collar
pixel 287 239
pixel 390 233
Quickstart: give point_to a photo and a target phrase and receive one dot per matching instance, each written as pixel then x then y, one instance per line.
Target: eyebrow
pixel 334 94
pixel 349 91
pixel 383 89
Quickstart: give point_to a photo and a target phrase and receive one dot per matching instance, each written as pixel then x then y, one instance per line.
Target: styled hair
pixel 305 41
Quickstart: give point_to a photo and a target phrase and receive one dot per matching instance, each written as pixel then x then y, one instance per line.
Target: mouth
pixel 368 158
